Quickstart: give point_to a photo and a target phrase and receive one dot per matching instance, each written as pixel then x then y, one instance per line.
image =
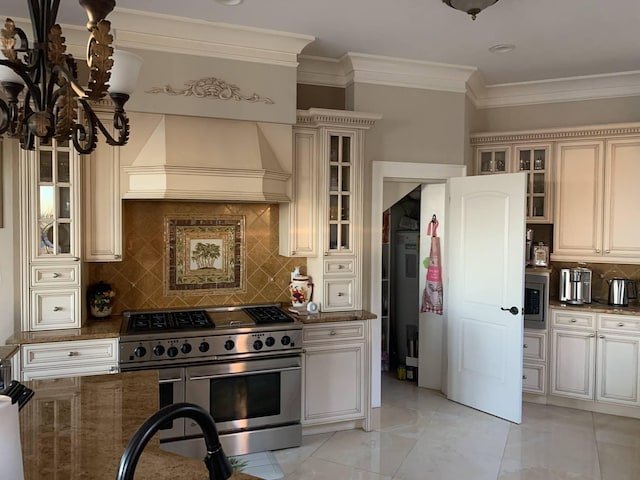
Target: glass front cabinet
pixel 535 159
pixel 50 210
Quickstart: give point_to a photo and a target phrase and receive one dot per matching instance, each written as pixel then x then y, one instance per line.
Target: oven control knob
pixel 158 350
pixel 140 352
pixel 229 344
pixel 257 345
pixel 286 340
pixel 185 348
pixel 172 351
pixel 270 341
pixel 204 347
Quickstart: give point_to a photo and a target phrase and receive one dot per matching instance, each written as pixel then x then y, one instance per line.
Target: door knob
pixel 512 310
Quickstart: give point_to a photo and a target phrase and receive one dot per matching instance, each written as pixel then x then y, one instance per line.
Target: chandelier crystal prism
pixel 472 7
pixel 40 81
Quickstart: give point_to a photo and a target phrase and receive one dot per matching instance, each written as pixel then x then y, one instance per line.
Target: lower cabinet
pixel 534 361
pixel 69 359
pixel 601 364
pixel 335 374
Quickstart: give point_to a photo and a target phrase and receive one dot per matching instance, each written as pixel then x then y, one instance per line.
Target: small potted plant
pixel 100 299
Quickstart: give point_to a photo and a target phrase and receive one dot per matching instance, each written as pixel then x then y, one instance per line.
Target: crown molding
pixel 326 72
pixel 319 117
pixel 587 131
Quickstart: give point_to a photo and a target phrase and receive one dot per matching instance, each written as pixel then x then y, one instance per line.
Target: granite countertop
pixel 632 309
pixel 325 317
pixel 78 428
pixel 7 351
pixel 108 328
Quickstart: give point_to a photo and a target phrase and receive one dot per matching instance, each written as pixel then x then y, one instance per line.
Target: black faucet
pixel 216 461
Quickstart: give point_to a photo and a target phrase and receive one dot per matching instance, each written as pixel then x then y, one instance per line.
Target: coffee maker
pixel 575 285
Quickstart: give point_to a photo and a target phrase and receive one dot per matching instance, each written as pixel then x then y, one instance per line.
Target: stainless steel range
pixel 243 364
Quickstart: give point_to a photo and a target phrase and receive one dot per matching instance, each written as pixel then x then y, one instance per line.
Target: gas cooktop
pixel 177 320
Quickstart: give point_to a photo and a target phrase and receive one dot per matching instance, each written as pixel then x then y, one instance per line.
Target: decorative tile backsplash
pixel 601 273
pixel 138 278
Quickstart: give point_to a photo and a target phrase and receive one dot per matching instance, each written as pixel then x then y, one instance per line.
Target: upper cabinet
pixel 597 218
pixel 324 220
pixel 494 156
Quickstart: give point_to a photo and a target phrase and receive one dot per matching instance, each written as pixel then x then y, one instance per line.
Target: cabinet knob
pixel 340 294
pixel 326 254
pixel 607 251
pixel 597 251
pixel 593 335
pixel 525 346
pixel 117 257
pixel 573 320
pixel 340 267
pixel 332 333
pixel 621 324
pixel 75 259
pixel 113 369
pixel 55 275
pixel 57 309
pixel 293 252
pixel 601 336
pixel 524 377
pixel 72 354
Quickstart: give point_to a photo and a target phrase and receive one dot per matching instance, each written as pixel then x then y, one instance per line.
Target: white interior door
pixel 486 237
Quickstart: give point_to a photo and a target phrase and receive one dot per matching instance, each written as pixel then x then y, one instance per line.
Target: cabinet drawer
pixel 570 319
pixel 55 275
pixel 68 354
pixel 619 323
pixel 333 331
pixel 65 373
pixel 54 309
pixel 338 294
pixel 534 378
pixel 338 266
pixel 534 346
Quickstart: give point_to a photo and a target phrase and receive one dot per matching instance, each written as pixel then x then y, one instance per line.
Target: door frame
pixel 392 172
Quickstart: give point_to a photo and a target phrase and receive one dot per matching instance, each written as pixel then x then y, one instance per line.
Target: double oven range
pixel 242 364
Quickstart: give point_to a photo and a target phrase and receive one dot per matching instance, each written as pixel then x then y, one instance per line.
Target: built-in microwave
pixel 536 299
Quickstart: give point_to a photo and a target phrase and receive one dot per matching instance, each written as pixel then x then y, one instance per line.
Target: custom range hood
pixel 193 158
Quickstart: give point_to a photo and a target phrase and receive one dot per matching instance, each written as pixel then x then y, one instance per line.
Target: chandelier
pixel 472 7
pixel 54 104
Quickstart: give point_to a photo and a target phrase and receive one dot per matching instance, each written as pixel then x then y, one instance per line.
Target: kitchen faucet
pixel 216 461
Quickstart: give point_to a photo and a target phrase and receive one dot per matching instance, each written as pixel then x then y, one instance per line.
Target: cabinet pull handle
pixel 326 254
pixel 621 324
pixel 340 267
pixel 117 257
pixel 573 320
pixel 597 251
pixel 55 275
pixel 293 252
pixel 113 369
pixel 525 346
pixel 592 335
pixel 601 336
pixel 607 251
pixel 524 377
pixel 332 333
pixel 57 309
pixel 340 294
pixel 75 259
pixel 72 354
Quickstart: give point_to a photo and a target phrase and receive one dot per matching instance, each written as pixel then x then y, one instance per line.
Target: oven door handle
pixel 170 380
pixel 241 374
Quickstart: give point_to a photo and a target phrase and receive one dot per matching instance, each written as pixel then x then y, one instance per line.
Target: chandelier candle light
pixel 49 106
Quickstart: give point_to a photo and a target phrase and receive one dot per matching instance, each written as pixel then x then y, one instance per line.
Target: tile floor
pixel 424 436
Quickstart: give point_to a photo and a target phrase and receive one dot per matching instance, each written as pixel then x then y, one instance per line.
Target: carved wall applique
pixel 211 87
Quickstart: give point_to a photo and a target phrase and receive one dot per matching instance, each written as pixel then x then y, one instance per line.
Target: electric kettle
pixel 621 290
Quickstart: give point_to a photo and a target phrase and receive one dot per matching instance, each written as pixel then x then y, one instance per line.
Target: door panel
pixel 486 263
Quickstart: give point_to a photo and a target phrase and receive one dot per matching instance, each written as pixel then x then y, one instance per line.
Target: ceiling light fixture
pixel 230 3
pixel 472 7
pixel 50 105
pixel 502 48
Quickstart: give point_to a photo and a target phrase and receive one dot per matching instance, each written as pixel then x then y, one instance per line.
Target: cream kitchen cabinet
pixel 50 237
pixel 299 219
pixel 596 357
pixel 534 361
pixel 596 191
pixel 328 224
pixel 69 359
pixel 102 202
pixel 335 375
pixel 494 156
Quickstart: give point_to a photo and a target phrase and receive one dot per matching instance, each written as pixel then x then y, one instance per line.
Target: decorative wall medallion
pixel 204 255
pixel 211 87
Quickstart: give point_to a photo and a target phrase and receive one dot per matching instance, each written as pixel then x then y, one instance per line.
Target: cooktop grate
pixel 264 315
pixel 178 320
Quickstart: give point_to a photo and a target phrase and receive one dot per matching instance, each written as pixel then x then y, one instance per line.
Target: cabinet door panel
pixel 621 212
pixel 579 197
pixel 572 364
pixel 617 369
pixel 534 378
pixel 55 309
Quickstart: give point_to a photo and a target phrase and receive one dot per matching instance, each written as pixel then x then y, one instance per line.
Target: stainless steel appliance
pixel 242 364
pixel 621 290
pixel 575 285
pixel 536 299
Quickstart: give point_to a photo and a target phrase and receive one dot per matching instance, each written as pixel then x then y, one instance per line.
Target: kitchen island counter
pixel 78 428
pixel 326 317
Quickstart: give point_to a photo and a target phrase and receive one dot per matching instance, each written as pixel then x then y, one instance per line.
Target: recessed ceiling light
pixel 502 48
pixel 230 2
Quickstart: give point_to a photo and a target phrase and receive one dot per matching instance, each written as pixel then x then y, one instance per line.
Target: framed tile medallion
pixel 204 255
